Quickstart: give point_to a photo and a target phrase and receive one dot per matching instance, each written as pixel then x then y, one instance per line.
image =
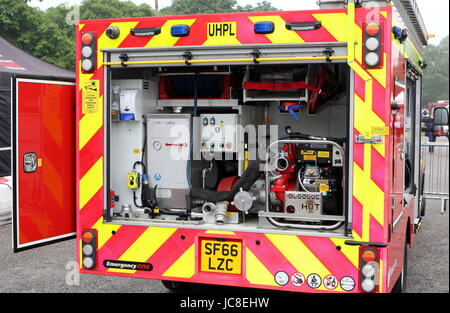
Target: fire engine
pixel 271 150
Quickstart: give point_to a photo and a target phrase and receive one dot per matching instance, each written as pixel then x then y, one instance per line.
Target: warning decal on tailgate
pixel 91 95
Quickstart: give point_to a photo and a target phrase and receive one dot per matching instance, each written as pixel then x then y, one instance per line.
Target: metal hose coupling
pixel 220 213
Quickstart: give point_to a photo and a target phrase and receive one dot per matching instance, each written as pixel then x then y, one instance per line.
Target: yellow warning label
pixel 307 152
pixel 380 131
pixel 39 161
pixel 322 181
pixel 90 97
pixel 324 188
pixel 324 154
pixel 137 151
pixel 309 157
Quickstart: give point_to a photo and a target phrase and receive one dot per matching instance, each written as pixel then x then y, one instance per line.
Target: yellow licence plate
pixel 221 257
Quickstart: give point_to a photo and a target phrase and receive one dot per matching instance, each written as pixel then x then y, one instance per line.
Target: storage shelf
pixel 200 103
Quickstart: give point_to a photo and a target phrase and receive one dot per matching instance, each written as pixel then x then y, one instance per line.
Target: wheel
pixel 175 286
pixel 401 284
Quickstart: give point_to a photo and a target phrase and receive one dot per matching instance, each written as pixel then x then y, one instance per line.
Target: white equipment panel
pixel 219 133
pixel 168 146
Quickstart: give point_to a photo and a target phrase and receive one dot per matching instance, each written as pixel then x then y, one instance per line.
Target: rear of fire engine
pixel 248 149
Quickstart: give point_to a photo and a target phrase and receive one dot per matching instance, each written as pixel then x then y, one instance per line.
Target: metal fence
pixel 435 158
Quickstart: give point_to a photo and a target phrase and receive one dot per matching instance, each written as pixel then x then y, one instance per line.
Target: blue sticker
pixel 157 177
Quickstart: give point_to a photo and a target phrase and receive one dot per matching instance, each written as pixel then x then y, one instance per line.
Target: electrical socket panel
pixel 219 133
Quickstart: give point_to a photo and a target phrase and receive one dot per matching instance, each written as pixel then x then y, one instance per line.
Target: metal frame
pixel 229 55
pixel 438 195
pixel 270 216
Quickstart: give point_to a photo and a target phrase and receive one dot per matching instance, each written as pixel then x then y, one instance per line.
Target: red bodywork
pixel 45 127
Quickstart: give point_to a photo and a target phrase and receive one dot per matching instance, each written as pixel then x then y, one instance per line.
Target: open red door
pixel 43 162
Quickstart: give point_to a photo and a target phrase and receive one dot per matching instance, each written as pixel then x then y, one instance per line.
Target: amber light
pixel 87 237
pixel 87 39
pixel 372 29
pixel 369 255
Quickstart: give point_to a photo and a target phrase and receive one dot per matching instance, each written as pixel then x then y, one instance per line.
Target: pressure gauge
pixel 157 145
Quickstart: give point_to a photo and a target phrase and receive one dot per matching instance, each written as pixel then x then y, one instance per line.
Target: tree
pixel 182 7
pixel 29 29
pixel 104 9
pixel 436 78
pixel 263 6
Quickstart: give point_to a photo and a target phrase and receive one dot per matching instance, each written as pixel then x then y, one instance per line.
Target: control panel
pixel 219 133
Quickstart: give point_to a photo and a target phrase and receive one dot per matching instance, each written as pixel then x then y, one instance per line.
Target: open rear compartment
pixel 187 147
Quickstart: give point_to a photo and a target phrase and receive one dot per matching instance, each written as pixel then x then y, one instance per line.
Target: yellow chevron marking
pixel 81 26
pixel 366 119
pixel 281 33
pixel 256 272
pixel 384 13
pixel 370 196
pixel 91 182
pixel 351 252
pixel 144 247
pixel 356 236
pixel 184 267
pixel 351 39
pixel 165 39
pixel 364 189
pixel 360 194
pixel 104 232
pixel 380 74
pixel 106 42
pixel 299 255
pixel 358 45
pixel 335 24
pixel 219 232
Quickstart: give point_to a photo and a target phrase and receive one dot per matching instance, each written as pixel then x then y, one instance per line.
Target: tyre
pixel 175 286
pixel 401 284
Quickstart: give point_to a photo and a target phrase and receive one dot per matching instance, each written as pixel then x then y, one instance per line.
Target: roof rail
pixel 410 13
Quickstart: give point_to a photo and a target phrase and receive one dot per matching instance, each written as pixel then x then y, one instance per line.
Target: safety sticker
pixel 298 279
pixel 314 281
pixel 347 283
pixel 281 278
pixel 381 131
pixel 90 95
pixel 330 282
pixel 157 177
